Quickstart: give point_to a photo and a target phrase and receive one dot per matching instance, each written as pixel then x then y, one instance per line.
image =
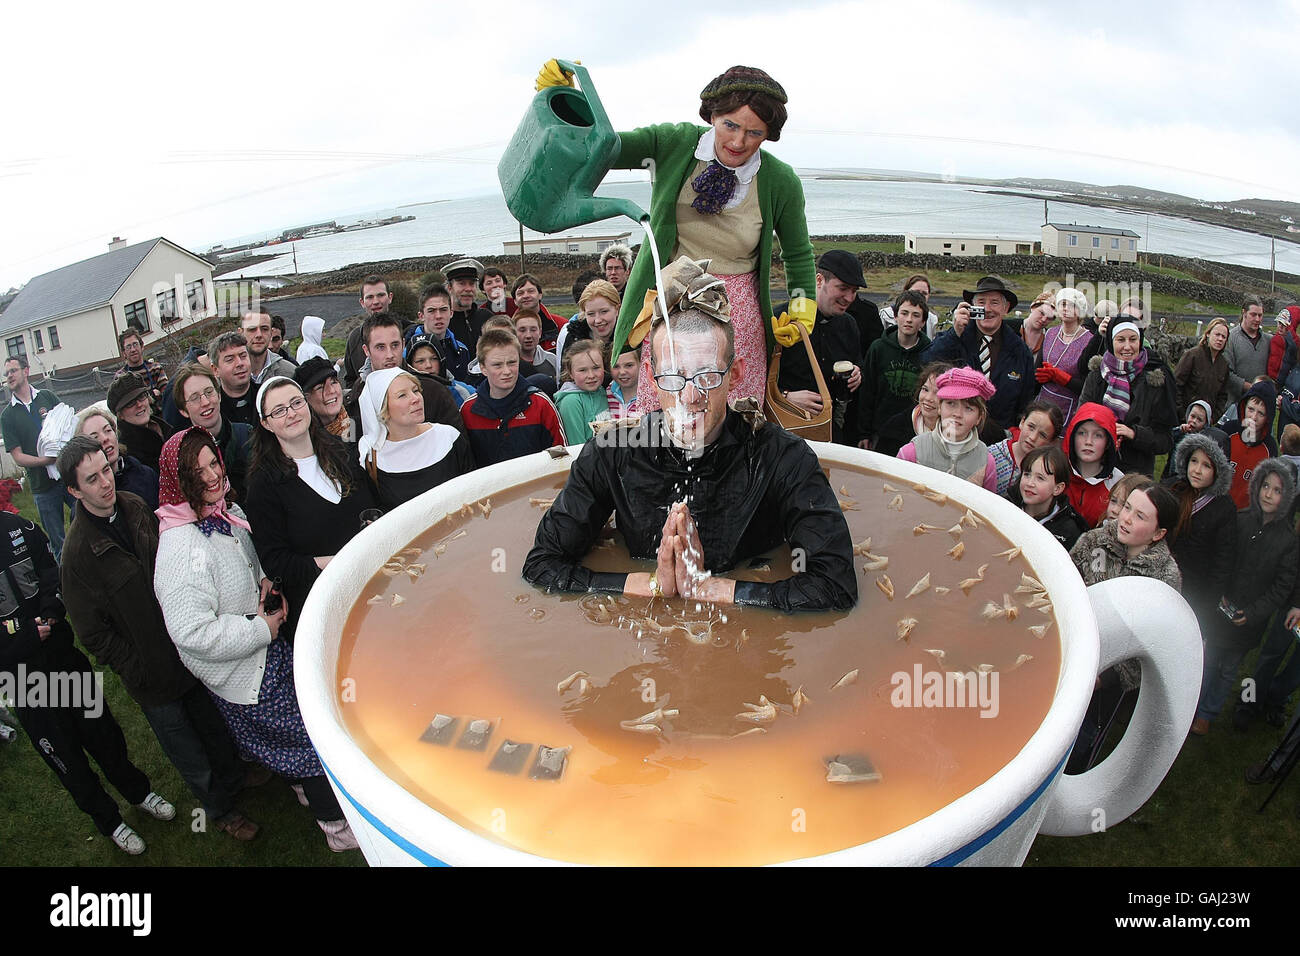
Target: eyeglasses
pixel 283 410
pixel 706 380
pixel 207 395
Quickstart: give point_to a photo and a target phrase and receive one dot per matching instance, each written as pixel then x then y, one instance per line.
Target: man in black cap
pixel 467 317
pixel 987 347
pixel 834 335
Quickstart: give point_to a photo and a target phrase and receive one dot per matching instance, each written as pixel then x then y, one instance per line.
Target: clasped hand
pixel 680 571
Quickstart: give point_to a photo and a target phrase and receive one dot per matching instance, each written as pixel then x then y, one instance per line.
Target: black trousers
pixel 320 798
pixel 194 737
pixel 63 736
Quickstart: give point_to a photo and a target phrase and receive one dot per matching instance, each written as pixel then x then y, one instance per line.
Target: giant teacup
pixel 993 823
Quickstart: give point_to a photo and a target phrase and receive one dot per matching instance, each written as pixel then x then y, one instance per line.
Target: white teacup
pixel 993 824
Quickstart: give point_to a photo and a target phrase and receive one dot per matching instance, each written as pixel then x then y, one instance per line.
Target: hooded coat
pixel 1090 496
pixel 1268 556
pixel 313 327
pixel 889 374
pixel 1153 410
pixel 1100 556
pixel 1246 455
pixel 1207 545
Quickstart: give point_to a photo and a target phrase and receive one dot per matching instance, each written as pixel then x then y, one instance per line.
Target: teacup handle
pixel 1145 619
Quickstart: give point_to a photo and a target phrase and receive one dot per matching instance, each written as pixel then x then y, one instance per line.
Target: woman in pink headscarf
pixel 213 597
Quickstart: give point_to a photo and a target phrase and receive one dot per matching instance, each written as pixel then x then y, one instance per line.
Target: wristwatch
pixel 655 590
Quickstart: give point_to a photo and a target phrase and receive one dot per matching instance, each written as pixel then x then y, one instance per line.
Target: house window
pixel 1114 243
pixel 16 346
pixel 40 342
pixel 54 337
pixel 603 245
pixel 911 243
pixel 166 305
pixel 1096 242
pixel 544 249
pixel 195 297
pixel 1022 248
pixel 990 250
pixel 573 247
pixel 137 313
pixel 947 245
pixel 1072 240
pixel 1130 245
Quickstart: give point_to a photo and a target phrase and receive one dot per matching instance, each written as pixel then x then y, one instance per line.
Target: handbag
pixel 785 412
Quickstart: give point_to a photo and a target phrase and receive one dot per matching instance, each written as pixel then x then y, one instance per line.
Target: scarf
pixel 714 188
pixel 1202 501
pixel 1118 377
pixel 339 427
pixel 174 511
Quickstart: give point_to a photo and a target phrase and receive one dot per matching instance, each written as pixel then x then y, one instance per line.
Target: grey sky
pixel 208 123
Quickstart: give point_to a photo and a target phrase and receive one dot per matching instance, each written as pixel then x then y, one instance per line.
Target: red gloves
pixel 1047 372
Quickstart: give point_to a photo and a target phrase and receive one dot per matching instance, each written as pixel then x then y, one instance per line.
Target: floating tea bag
pixel 850 768
pixel 510 757
pixel 550 763
pixel 476 735
pixel 441 730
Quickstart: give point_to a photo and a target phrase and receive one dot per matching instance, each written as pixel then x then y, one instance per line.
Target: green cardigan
pixel 671 149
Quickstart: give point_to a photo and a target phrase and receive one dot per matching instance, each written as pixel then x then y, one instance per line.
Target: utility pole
pixel 1272 259
pixel 294 247
pixel 522 270
pixel 1044 212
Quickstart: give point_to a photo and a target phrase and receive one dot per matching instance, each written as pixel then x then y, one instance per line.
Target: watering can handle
pixel 589 90
pixel 1145 619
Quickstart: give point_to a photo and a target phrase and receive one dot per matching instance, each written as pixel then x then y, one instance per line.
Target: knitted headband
pixel 743 79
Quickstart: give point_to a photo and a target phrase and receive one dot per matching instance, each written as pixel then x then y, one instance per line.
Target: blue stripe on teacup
pixel 395 838
pixel 984 839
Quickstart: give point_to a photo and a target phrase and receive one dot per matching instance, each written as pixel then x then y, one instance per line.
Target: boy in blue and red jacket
pixel 507 418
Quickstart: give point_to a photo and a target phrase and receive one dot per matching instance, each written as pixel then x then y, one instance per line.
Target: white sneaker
pixel 339 835
pixel 157 807
pixel 128 840
pixel 7 734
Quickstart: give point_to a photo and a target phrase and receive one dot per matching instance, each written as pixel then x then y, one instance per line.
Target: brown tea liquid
pixel 659 770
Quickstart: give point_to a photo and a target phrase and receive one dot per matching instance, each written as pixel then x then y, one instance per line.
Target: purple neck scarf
pixel 714 188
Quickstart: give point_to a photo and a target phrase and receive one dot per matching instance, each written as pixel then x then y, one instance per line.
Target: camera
pixel 976 313
pixel 1229 610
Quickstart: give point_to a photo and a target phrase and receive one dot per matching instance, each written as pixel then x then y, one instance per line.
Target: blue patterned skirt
pixel 271 731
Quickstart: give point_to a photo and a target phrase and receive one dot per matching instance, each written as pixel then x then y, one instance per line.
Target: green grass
pixel 824 245
pixel 40 825
pixel 1162 270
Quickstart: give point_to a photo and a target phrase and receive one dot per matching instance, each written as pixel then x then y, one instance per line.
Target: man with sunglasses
pixel 699 487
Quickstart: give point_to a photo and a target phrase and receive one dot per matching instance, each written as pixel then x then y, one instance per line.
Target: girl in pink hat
pixel 954 445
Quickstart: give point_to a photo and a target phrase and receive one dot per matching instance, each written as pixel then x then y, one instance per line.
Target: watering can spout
pixel 560 152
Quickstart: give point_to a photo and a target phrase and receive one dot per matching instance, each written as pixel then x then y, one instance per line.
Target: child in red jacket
pixel 1092 443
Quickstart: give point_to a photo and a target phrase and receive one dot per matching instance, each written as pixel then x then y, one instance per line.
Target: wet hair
pixel 381 320
pixel 187 467
pixel 225 342
pixel 583 347
pixel 1053 412
pixel 435 291
pixel 373 280
pixel 331 454
pixel 1289 442
pixel 493 271
pixel 130 332
pixel 76 450
pixel 692 322
pixel 912 298
pixel 765 106
pixel 495 338
pixel 929 370
pixel 525 277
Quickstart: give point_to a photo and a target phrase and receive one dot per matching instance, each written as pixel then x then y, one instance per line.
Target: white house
pixel 949 245
pixel 1074 241
pixel 569 245
pixel 70 318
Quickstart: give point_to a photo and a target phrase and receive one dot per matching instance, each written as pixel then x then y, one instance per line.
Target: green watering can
pixel 559 154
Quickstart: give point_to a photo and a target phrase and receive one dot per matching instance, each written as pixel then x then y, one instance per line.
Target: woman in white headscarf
pixel 313 327
pixel 405 455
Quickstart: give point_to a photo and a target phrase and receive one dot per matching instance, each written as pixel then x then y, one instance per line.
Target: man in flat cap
pixel 467 317
pixel 988 347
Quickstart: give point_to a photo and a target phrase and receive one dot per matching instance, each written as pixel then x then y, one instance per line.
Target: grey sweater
pixel 1247 360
